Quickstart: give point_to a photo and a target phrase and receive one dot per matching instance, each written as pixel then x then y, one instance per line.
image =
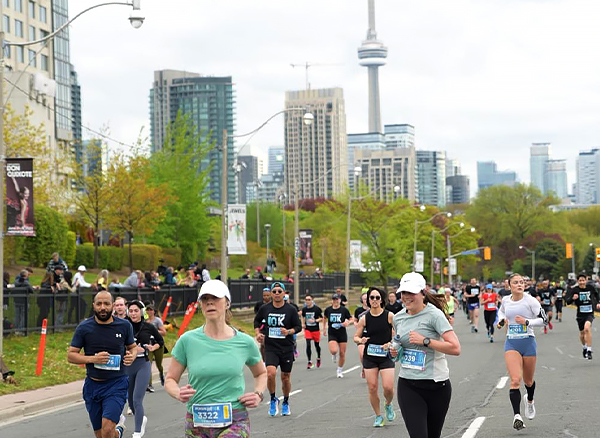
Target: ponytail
pixel 439 301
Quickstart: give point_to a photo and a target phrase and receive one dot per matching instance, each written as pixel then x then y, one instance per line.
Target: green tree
pixel 176 167
pixel 549 256
pixel 589 260
pixel 51 236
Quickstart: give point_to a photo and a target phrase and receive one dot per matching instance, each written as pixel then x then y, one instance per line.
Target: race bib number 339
pixel 413 359
pixel 215 415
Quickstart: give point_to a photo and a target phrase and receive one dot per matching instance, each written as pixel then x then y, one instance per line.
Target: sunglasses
pixel 375 298
pixel 277 291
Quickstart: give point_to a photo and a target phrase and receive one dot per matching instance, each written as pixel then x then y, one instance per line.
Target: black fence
pixel 25 309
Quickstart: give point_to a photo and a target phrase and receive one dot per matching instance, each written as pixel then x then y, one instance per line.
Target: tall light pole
pixel 268 229
pixel 532 252
pixel 357 171
pixel 449 247
pixel 417 223
pixel 136 19
pixel 433 232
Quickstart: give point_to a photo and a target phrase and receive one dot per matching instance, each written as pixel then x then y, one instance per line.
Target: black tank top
pixel 379 329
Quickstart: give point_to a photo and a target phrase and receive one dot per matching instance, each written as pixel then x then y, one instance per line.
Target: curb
pixel 33 408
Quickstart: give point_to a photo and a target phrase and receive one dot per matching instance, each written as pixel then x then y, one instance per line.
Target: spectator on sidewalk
pixel 79 278
pixel 246 275
pixel 169 276
pixel 115 284
pixel 44 299
pixel 56 261
pixel 133 280
pixel 20 303
pixel 101 282
pixel 62 290
pixel 205 274
pixel 258 275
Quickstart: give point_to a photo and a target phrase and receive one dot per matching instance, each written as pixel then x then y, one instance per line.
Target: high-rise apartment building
pixel 76 117
pixel 276 160
pixel 316 155
pixel 367 141
pixel 248 174
pixel 458 189
pixel 431 176
pixel 555 180
pixel 488 175
pixel 399 136
pixel 588 177
pixel 62 67
pixel 210 103
pixel 452 167
pixel 389 173
pixel 540 154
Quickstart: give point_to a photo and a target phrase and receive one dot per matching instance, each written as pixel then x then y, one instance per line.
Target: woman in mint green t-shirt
pixel 215 356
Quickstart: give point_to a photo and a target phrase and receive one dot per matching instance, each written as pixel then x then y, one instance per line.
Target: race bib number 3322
pixel 215 415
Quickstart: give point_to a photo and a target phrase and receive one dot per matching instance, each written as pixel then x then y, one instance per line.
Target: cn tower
pixel 372 54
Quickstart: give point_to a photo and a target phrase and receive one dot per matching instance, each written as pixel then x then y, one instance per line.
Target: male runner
pixel 394 305
pixel 489 300
pixel 108 344
pixel 338 318
pixel 311 319
pixel 472 294
pixel 545 296
pixel 281 322
pixel 558 299
pixel 120 307
pixel 505 291
pixel 586 299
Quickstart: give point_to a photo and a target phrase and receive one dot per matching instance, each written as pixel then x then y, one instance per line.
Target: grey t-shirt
pixel 157 322
pixel 417 361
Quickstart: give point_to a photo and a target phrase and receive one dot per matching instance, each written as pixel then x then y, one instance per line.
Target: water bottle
pixel 397 345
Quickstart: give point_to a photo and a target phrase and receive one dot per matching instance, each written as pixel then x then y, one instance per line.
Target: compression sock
pixel 515 400
pixel 286 399
pixel 308 350
pixel 530 391
pixel 589 348
pixel 318 348
pixel 273 397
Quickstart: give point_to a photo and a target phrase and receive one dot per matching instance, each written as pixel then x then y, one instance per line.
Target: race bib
pixel 113 364
pixel 275 333
pixel 336 325
pixel 376 350
pixel 559 293
pixel 413 359
pixel 491 306
pixel 586 309
pixel 546 301
pixel 215 415
pixel 310 319
pixel 517 331
pixel 475 292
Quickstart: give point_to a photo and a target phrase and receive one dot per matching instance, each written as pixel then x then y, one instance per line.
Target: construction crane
pixel 308 64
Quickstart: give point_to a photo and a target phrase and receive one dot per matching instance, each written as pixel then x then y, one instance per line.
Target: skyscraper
pixel 431 176
pixel 556 178
pixel 209 102
pixel 488 175
pixel 372 54
pixel 399 136
pixel 540 154
pixel 62 70
pixel 248 174
pixel 276 159
pixel 458 189
pixel 588 177
pixel 316 155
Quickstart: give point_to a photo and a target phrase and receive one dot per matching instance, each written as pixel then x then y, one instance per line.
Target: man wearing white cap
pixel 79 278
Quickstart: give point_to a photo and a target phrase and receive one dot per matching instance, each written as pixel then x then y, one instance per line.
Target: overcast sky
pixel 480 79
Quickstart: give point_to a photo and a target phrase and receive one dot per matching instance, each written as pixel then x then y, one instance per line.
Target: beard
pixel 104 316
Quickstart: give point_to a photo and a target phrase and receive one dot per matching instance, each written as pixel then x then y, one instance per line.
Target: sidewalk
pixel 23 404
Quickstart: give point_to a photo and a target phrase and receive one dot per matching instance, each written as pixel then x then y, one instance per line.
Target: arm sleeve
pixel 501 311
pixel 569 296
pixel 297 324
pixel 441 323
pixel 77 340
pixel 129 339
pixel 536 309
pixel 258 319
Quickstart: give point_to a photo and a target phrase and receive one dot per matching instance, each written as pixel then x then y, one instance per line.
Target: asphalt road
pixel 567 397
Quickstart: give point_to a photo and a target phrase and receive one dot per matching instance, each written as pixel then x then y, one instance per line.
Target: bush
pixel 51 236
pixel 172 256
pixel 109 257
pixel 70 249
pixel 84 255
pixel 145 257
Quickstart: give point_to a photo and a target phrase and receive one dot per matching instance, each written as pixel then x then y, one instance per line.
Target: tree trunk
pixel 96 250
pixel 130 252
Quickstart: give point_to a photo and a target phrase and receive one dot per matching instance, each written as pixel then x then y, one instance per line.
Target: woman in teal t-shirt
pixel 215 355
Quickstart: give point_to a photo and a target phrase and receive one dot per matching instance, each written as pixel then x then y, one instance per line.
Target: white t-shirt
pixel 528 307
pixel 80 278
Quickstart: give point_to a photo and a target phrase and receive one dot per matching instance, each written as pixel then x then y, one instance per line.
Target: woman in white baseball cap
pixel 215 356
pixel 425 336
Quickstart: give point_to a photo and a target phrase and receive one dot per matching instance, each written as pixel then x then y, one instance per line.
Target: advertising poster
pixel 236 229
pixel 19 197
pixel 306 247
pixel 419 261
pixel 355 254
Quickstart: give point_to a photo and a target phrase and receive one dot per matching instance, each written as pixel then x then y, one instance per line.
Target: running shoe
pixel 472 329
pixel 518 422
pixel 589 354
pixel 150 389
pixel 143 428
pixel 136 435
pixel 389 412
pixel 296 354
pixel 162 379
pixel 379 421
pixel 475 328
pixel 491 339
pixel 585 353
pixel 318 362
pixel 274 408
pixel 309 365
pixel 340 374
pixel 545 330
pixel 121 426
pixel 529 408
pixel 285 409
pixel 334 358
pixel 550 326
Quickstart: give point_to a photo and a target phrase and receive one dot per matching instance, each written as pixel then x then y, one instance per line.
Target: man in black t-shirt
pixel 281 322
pixel 338 318
pixel 394 305
pixel 472 292
pixel 505 291
pixel 586 298
pixel 311 319
pixel 108 345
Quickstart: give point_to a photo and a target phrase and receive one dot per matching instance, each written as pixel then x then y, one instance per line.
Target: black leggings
pixel 309 352
pixel 490 317
pixel 424 404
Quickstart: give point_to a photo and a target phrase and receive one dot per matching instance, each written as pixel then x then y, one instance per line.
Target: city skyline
pixel 464 83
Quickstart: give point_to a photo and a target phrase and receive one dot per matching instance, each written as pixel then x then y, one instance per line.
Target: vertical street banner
pixel 355 254
pixel 236 229
pixel 419 261
pixel 452 266
pixel 436 265
pixel 306 257
pixel 19 197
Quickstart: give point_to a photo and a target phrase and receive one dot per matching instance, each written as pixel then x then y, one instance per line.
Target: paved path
pixel 567 397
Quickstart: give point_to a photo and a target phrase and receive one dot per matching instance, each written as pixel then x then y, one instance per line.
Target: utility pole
pixel 224 209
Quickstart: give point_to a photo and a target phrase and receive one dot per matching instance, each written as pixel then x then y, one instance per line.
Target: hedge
pixel 109 257
pixel 51 236
pixel 172 256
pixel 70 249
pixel 145 257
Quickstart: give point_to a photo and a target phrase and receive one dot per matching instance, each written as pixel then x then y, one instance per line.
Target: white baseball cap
pixel 216 288
pixel 412 282
pixel 81 268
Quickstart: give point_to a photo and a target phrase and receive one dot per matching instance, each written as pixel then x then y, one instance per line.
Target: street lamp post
pixel 417 222
pixel 532 252
pixel 433 232
pixel 136 19
pixel 449 248
pixel 268 229
pixel 357 171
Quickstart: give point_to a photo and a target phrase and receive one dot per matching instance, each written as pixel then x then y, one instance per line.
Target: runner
pixel 376 362
pixel 505 291
pixel 425 337
pixel 281 322
pixel 451 305
pixel 215 356
pixel 120 308
pixel 338 318
pixel 472 294
pixel 585 297
pixel 360 310
pixel 108 346
pixel 312 316
pixel 545 296
pixel 156 355
pixel 520 312
pixel 489 300
pixel 394 305
pixel 558 299
pixel 266 299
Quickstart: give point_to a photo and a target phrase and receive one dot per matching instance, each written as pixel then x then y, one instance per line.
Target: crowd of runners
pixel 411 329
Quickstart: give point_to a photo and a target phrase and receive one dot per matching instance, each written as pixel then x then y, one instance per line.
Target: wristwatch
pixel 260 395
pixel 426 342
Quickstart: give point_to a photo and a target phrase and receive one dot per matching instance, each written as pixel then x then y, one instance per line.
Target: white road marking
pixel 349 370
pixel 281 398
pixel 559 350
pixel 502 382
pixel 474 427
pixel 571 356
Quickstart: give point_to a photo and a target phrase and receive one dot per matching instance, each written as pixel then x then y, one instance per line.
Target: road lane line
pixel 559 350
pixel 474 427
pixel 281 398
pixel 502 382
pixel 351 369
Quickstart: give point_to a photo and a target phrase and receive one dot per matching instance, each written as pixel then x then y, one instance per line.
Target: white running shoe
pixel 529 408
pixel 121 425
pixel 143 429
pixel 518 422
pixel 129 411
pixel 340 374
